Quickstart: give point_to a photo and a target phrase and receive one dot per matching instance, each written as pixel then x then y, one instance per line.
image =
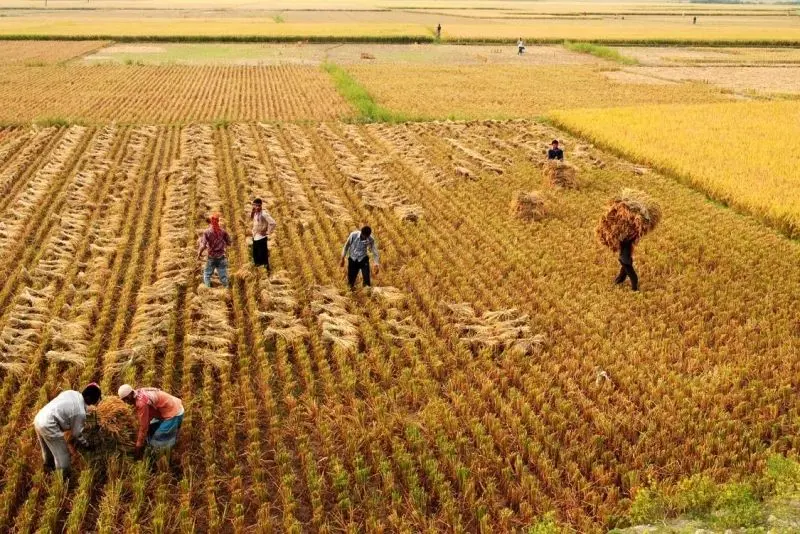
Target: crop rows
pixel 168 94
pixel 492 375
pixel 38 53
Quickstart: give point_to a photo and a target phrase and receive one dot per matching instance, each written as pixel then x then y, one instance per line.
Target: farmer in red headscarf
pixel 216 240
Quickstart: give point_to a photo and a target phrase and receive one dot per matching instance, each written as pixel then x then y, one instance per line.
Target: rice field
pixel 512 91
pixel 494 374
pixel 37 53
pixel 167 94
pixel 738 153
pixel 750 80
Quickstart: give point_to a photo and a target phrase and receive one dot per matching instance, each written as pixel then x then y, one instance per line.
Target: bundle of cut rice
pixel 116 423
pixel 560 174
pixel 631 215
pixel 529 206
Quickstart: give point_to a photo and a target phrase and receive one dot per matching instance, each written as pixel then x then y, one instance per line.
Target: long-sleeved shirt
pixel 66 412
pixel 626 252
pixel 152 403
pixel 357 248
pixel 263 225
pixel 555 153
pixel 215 242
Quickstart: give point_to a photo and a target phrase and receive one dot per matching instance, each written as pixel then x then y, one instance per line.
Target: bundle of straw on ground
pixel 116 424
pixel 631 215
pixel 529 206
pixel 560 174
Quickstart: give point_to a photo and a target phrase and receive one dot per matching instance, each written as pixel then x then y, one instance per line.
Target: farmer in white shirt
pixel 356 249
pixel 520 47
pixel 67 412
pixel 263 226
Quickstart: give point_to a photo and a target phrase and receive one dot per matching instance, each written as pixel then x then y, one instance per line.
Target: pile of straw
pixel 499 330
pixel 560 174
pixel 529 206
pixel 116 424
pixel 631 215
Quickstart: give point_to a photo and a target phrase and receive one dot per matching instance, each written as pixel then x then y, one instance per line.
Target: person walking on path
pixel 263 226
pixel 555 152
pixel 626 265
pixel 520 46
pixel 359 243
pixel 66 412
pixel 216 240
pixel 438 31
pixel 160 416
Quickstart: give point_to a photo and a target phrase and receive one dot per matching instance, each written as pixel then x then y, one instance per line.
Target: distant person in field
pixel 520 46
pixel 438 31
pixel 555 152
pixel 66 412
pixel 694 20
pixel 263 226
pixel 359 243
pixel 626 265
pixel 215 239
pixel 160 416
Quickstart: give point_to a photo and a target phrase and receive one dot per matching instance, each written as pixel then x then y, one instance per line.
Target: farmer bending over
pixel 555 152
pixel 67 412
pixel 626 262
pixel 160 416
pixel 263 226
pixel 358 243
pixel 215 239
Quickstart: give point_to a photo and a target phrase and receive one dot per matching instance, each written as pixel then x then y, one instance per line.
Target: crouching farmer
pixel 67 412
pixel 159 414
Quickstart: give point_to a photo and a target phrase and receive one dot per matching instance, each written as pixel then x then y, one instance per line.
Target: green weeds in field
pixel 600 51
pixel 359 98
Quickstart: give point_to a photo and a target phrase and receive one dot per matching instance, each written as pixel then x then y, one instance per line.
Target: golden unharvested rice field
pixel 509 91
pixel 493 376
pixel 742 154
pixel 168 94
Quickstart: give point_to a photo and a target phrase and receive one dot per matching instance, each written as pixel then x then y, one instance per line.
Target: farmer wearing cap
pixel 263 226
pixel 67 412
pixel 555 152
pixel 160 416
pixel 215 239
pixel 356 249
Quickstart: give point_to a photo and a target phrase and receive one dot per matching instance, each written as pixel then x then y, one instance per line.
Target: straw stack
pixel 529 206
pixel 561 175
pixel 631 215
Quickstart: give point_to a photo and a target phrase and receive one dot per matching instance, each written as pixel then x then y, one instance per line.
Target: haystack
pixel 631 215
pixel 367 55
pixel 529 206
pixel 560 174
pixel 116 424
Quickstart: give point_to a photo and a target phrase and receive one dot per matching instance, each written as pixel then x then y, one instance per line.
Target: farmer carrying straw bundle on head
pixel 263 226
pixel 216 240
pixel 356 249
pixel 630 216
pixel 67 412
pixel 160 416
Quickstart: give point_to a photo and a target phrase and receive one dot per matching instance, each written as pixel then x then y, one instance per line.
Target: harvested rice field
pixel 711 56
pixel 37 53
pixel 493 374
pixel 752 80
pixel 510 91
pixel 168 94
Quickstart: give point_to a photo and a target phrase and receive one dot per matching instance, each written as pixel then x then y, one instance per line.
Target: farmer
pixel 626 262
pixel 520 46
pixel 67 412
pixel 555 152
pixel 438 31
pixel 160 416
pixel 358 243
pixel 263 226
pixel 694 20
pixel 215 239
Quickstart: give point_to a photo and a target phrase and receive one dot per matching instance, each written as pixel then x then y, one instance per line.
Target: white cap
pixel 124 391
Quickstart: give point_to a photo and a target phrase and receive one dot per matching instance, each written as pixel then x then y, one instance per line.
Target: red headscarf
pixel 215 223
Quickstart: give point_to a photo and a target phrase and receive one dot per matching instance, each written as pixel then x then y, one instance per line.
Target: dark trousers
pixel 261 253
pixel 627 271
pixel 353 268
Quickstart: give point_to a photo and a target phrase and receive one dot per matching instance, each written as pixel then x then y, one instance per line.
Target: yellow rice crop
pixel 742 154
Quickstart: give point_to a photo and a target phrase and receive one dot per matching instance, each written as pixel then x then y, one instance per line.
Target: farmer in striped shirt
pixel 215 239
pixel 356 249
